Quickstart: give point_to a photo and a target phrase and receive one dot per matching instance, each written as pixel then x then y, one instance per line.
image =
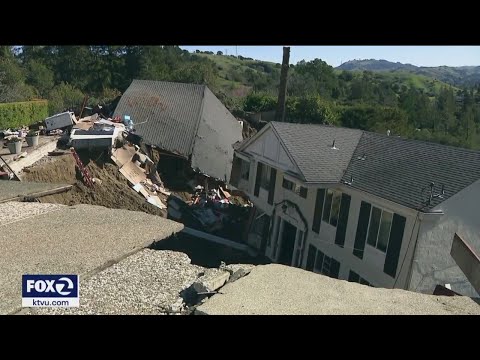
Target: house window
pixel 265 177
pixel 303 192
pixel 325 265
pixel 245 170
pixel 331 207
pixel 319 262
pixel 354 277
pixel 379 229
pixel 287 184
pixel 296 188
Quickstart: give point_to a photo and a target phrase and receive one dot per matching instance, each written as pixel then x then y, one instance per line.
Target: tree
pixel 257 102
pixel 312 110
pixel 321 73
pixel 40 77
pixel 64 96
pixel 12 81
pixel 219 53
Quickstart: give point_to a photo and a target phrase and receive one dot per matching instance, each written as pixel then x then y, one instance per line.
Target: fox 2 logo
pixel 55 286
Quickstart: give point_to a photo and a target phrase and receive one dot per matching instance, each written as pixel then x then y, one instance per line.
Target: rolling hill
pixel 457 76
pixel 238 76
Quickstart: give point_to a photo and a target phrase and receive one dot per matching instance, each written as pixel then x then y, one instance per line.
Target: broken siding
pixel 218 130
pixel 165 114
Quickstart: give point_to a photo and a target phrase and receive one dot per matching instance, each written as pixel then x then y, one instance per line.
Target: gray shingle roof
pixel 401 170
pixel 165 114
pixel 185 119
pixel 310 146
pixel 393 168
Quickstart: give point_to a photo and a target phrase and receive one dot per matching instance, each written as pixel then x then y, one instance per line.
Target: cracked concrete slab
pixel 282 290
pixel 57 239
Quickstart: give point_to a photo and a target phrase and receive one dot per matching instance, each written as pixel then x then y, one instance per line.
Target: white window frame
pixel 334 191
pixel 379 226
pixel 266 174
pixel 295 187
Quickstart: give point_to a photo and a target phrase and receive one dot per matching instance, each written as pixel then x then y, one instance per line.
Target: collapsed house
pixel 183 124
pixel 186 120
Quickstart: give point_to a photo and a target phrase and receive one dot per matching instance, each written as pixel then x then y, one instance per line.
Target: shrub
pixel 64 96
pixel 257 102
pixel 22 113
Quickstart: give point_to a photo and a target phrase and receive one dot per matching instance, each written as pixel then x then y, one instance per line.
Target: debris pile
pixel 247 129
pixel 214 211
pixel 114 166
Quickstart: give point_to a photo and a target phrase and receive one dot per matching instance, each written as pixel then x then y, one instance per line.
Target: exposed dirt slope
pixel 113 192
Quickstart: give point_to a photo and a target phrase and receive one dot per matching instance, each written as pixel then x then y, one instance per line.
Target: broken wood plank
pixel 225 193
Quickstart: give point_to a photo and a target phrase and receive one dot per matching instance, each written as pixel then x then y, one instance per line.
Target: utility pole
pixel 282 90
pixel 236 50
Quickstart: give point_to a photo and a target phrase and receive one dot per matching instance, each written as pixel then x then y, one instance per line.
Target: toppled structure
pixel 186 120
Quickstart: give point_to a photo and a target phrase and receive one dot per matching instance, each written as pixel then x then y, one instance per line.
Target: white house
pixel 360 206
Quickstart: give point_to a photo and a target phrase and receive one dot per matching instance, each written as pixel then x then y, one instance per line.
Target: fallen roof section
pixel 165 114
pixel 57 239
pixel 282 290
pixel 184 119
pixel 11 190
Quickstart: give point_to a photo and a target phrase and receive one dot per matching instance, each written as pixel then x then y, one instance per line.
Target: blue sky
pixel 335 55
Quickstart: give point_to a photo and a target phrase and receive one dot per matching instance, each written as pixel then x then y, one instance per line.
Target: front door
pixel 288 244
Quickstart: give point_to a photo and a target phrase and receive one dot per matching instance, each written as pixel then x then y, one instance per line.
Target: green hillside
pixel 372 95
pixel 237 76
pixel 457 76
